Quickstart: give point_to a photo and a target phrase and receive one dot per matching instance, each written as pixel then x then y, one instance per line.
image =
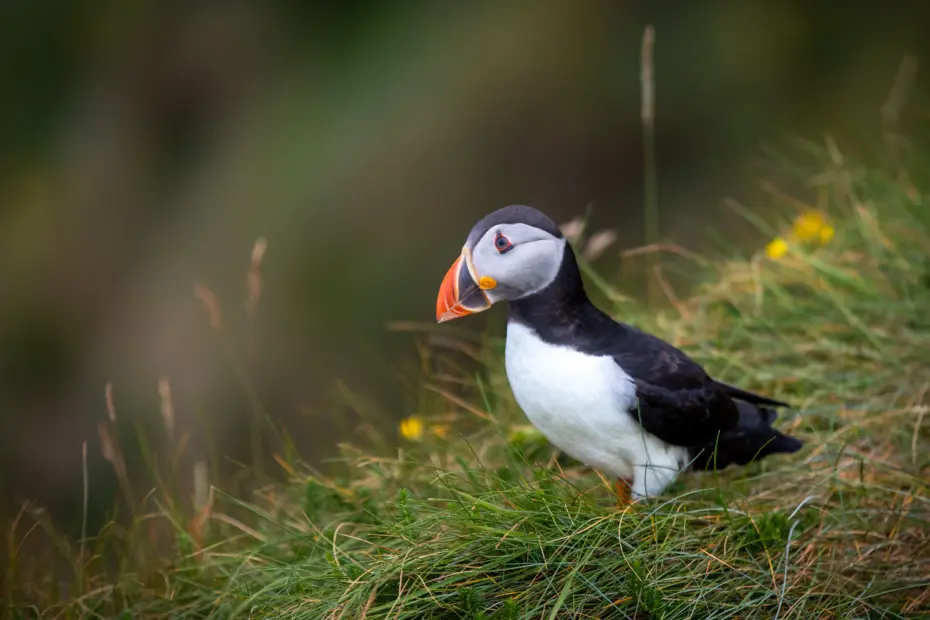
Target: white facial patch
pixel 526 268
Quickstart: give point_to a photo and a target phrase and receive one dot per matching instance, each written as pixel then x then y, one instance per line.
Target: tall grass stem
pixel 650 190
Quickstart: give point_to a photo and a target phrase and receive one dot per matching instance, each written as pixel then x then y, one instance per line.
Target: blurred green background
pixel 144 146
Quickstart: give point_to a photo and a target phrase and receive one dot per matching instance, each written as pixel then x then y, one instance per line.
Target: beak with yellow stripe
pixel 463 291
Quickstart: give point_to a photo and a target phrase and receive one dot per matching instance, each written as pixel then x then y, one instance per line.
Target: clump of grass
pixel 484 520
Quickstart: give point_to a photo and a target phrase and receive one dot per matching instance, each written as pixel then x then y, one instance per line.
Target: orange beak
pixel 459 294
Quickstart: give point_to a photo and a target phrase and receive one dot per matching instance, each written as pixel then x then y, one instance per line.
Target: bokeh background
pixel 145 146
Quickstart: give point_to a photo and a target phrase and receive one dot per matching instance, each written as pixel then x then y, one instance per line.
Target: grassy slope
pixel 472 526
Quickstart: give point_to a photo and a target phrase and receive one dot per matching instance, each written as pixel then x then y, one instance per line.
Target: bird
pixel 611 396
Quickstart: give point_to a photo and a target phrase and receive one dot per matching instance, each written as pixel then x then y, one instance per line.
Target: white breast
pixel 580 403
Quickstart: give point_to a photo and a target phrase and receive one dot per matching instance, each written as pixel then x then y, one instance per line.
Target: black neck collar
pixel 561 313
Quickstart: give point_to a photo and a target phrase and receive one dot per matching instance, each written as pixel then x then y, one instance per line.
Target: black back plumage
pixel 677 400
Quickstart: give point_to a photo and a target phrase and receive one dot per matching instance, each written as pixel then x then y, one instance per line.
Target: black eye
pixel 502 243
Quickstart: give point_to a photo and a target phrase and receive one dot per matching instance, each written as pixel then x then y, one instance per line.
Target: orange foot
pixel 623 492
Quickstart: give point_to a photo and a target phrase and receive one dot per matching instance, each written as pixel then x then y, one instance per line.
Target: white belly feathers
pixel 580 403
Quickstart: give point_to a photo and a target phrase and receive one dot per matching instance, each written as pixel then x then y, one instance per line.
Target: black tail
pixel 749 397
pixel 753 439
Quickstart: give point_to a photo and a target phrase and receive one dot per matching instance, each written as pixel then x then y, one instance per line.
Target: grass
pixel 479 518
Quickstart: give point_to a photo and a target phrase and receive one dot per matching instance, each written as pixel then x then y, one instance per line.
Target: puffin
pixel 611 396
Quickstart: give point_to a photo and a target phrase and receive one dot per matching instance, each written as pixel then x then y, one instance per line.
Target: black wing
pixel 678 401
pixel 749 397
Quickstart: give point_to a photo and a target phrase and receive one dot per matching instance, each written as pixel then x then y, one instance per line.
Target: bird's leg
pixel 622 488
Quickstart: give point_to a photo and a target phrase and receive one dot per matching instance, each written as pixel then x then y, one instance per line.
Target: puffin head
pixel 509 254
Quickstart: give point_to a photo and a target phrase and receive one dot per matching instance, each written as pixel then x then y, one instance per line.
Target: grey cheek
pixel 526 278
pixel 497 294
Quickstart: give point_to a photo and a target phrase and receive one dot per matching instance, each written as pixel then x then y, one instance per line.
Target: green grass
pixel 488 522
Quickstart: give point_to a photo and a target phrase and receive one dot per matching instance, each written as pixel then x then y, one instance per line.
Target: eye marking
pixel 502 244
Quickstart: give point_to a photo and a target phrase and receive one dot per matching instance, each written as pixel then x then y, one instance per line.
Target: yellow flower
pixel 412 428
pixel 807 226
pixel 776 248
